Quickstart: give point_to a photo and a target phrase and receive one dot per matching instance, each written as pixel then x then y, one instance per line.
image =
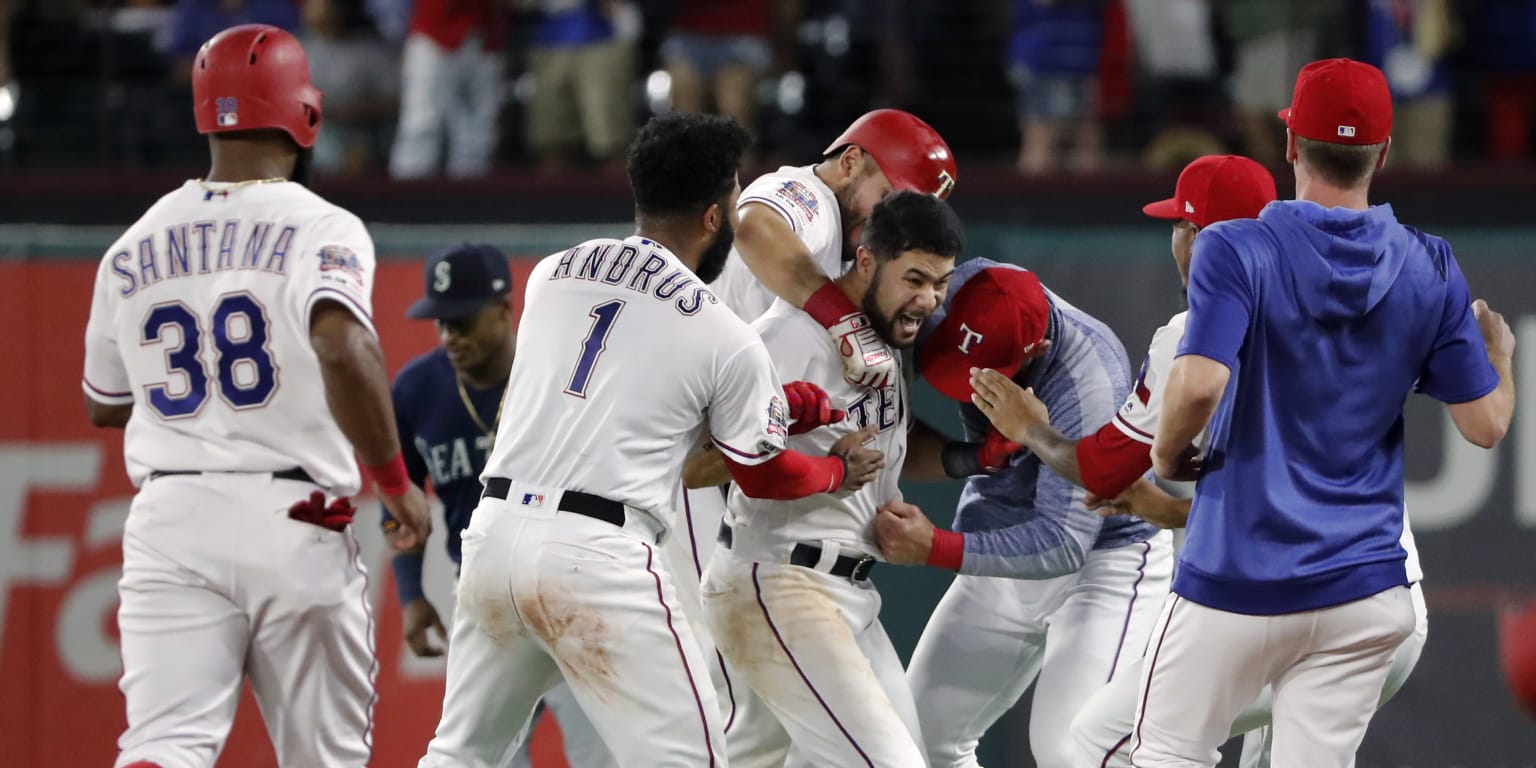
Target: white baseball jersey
pixel 621 353
pixel 200 319
pixel 802 351
pixel 1137 418
pixel 811 210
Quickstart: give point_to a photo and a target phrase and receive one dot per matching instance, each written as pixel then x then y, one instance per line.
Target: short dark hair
pixel 913 221
pixel 680 163
pixel 1343 165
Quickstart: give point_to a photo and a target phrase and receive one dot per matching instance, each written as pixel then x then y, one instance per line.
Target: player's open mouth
pixel 909 322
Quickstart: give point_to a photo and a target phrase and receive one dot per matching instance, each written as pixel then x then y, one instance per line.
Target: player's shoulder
pixel 784 323
pixel 424 370
pixel 794 192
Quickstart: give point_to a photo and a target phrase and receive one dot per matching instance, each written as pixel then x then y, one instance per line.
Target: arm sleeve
pixel 1220 301
pixel 105 377
pixel 748 419
pixel 1055 531
pixel 1458 369
pixel 336 263
pixel 787 475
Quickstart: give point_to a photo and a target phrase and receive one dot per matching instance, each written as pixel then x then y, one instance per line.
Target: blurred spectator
pixel 450 90
pixel 583 64
pixel 392 18
pixel 198 20
pixel 1503 35
pixel 351 64
pixel 1053 61
pixel 716 51
pixel 1271 41
pixel 1179 83
pixel 1408 40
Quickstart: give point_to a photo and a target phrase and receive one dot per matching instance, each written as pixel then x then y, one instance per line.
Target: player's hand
pixel 867 360
pixel 412 521
pixel 1146 501
pixel 1496 334
pixel 862 464
pixel 904 533
pixel 809 407
pixel 1013 410
pixel 420 618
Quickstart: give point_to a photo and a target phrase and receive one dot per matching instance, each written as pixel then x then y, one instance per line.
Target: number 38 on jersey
pixel 236 362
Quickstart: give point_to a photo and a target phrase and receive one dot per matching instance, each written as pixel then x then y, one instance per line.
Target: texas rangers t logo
pixel 970 336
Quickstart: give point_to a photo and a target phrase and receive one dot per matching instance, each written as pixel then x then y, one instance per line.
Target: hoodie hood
pixel 1343 260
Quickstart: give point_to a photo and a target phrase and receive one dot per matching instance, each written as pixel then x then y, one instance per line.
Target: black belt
pixel 585 504
pixel 297 473
pixel 808 555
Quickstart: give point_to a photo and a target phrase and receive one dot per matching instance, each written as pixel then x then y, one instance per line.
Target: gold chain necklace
pixel 209 192
pixel 474 414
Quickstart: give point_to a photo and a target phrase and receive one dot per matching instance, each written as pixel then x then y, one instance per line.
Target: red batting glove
pixel 993 454
pixel 339 514
pixel 809 407
pixel 313 510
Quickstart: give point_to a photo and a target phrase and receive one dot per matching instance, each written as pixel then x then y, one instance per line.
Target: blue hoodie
pixel 1328 319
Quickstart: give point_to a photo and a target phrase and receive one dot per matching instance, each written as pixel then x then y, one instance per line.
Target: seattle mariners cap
pixel 1217 188
pixel 461 279
pixel 995 319
pixel 1340 101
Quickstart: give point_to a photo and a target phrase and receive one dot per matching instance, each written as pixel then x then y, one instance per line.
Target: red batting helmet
pixel 909 151
pixel 255 76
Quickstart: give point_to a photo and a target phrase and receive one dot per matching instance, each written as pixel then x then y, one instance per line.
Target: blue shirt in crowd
pixel 442 442
pixel 1328 318
pixel 1026 521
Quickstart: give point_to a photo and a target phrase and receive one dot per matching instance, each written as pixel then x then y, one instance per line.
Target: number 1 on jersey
pixel 592 347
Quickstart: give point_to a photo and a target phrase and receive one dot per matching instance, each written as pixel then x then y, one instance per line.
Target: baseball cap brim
pixel 949 372
pixel 429 308
pixel 1163 209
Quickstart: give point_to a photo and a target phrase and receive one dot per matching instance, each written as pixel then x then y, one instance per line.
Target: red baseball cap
pixel 1217 188
pixel 1340 101
pixel 994 320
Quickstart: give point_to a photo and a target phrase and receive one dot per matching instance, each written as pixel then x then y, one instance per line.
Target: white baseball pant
pixel 583 747
pixel 1327 668
pixel 753 737
pixel 219 585
pixel 990 638
pixel 1103 728
pixel 546 594
pixel 812 647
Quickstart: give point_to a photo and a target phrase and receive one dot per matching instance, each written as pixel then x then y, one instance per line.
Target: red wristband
pixel 829 305
pixel 390 477
pixel 947 550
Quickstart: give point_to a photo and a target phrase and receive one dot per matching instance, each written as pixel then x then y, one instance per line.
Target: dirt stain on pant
pixel 577 635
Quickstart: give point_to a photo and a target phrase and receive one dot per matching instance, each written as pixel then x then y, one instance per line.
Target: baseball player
pixel 1309 326
pixel 799 225
pixel 624 358
pixel 446 402
pixel 789 597
pixel 1047 588
pixel 218 321
pixel 1110 461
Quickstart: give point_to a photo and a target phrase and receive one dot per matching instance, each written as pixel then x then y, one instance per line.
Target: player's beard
pixel 879 319
pixel 712 260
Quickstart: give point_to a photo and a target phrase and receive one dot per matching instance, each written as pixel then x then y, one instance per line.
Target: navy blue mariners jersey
pixel 443 444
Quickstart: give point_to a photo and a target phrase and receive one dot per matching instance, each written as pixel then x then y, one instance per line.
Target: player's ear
pixel 1381 159
pixel 864 261
pixel 851 161
pixel 714 217
pixel 1290 147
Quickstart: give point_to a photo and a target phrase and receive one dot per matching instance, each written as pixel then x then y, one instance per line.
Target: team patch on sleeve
pixel 777 429
pixel 338 263
pixel 798 196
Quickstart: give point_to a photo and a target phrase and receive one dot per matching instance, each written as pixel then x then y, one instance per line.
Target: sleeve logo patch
pixel 800 197
pixel 778 419
pixel 341 261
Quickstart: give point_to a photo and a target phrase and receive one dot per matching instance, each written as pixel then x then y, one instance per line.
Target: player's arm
pixel 107 415
pixel 1146 501
pixel 1485 420
pixel 933 456
pixel 104 380
pixel 1220 304
pixel 357 391
pixel 777 257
